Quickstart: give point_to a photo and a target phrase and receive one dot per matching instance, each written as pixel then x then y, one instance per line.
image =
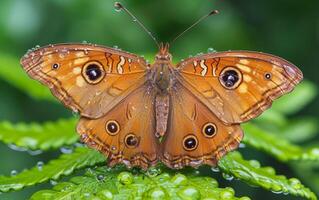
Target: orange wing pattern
pixel 127 133
pixel 195 136
pixel 86 78
pixel 253 80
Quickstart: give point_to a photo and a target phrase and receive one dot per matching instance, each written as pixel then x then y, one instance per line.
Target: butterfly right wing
pixel 86 78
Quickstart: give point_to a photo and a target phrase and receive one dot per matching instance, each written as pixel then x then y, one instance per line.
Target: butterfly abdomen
pixel 162 111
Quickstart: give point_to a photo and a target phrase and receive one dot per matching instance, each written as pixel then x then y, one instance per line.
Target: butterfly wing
pixel 86 78
pixel 126 134
pixel 195 136
pixel 238 85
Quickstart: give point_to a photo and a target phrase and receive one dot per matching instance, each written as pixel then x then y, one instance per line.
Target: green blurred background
pixel 287 28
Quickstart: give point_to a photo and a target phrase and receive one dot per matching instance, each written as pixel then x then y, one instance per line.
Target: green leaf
pixel 250 171
pixel 120 184
pixel 12 72
pixel 276 145
pixel 291 103
pixel 39 136
pixel 64 165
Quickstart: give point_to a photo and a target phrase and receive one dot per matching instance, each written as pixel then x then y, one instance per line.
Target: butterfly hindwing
pixel 126 134
pixel 195 136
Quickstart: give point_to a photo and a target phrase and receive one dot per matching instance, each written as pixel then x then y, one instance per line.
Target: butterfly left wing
pixel 195 136
pixel 238 85
pixel 127 133
pixel 89 79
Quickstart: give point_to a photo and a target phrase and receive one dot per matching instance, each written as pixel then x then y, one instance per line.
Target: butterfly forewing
pixel 86 78
pixel 238 86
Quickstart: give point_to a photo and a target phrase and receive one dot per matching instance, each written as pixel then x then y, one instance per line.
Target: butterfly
pixel 138 113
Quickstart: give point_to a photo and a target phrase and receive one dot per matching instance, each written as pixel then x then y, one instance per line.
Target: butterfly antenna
pixel 119 7
pixel 213 12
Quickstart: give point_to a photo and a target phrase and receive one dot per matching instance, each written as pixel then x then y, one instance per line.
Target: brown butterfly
pixel 138 114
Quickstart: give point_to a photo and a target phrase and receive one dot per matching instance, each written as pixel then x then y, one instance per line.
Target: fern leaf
pixel 250 171
pixel 119 184
pixel 39 136
pixel 64 165
pixel 12 72
pixel 276 145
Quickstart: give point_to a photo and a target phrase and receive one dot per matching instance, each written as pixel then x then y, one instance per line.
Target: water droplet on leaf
pixel 211 50
pixel 66 150
pixel 14 172
pixel 40 165
pixel 228 177
pixel 117 7
pixel 53 182
pixel 215 169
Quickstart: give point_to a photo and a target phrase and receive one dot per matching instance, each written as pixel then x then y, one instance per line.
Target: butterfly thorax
pixel 162 81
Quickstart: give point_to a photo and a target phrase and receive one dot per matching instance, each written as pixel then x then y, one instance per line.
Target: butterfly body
pixel 138 114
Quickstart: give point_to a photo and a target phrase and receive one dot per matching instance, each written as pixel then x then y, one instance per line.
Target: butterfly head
pixel 163 53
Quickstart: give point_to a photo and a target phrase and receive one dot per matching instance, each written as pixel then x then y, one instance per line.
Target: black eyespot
pixel 268 75
pixel 131 140
pixel 209 129
pixel 55 66
pixel 190 143
pixel 230 78
pixel 93 72
pixel 112 127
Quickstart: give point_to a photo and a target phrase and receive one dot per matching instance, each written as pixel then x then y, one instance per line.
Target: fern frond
pixel 120 184
pixel 276 145
pixel 34 136
pixel 252 173
pixel 64 165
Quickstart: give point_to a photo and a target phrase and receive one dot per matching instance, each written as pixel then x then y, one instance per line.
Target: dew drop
pixel 115 47
pixel 276 192
pixel 40 165
pixel 134 19
pixel 66 150
pixel 14 172
pixel 84 42
pixel 228 177
pixel 211 50
pixel 152 172
pixel 215 169
pixel 242 145
pixel 53 182
pixel 117 7
pixel 16 148
pixel 100 177
pixel 37 46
